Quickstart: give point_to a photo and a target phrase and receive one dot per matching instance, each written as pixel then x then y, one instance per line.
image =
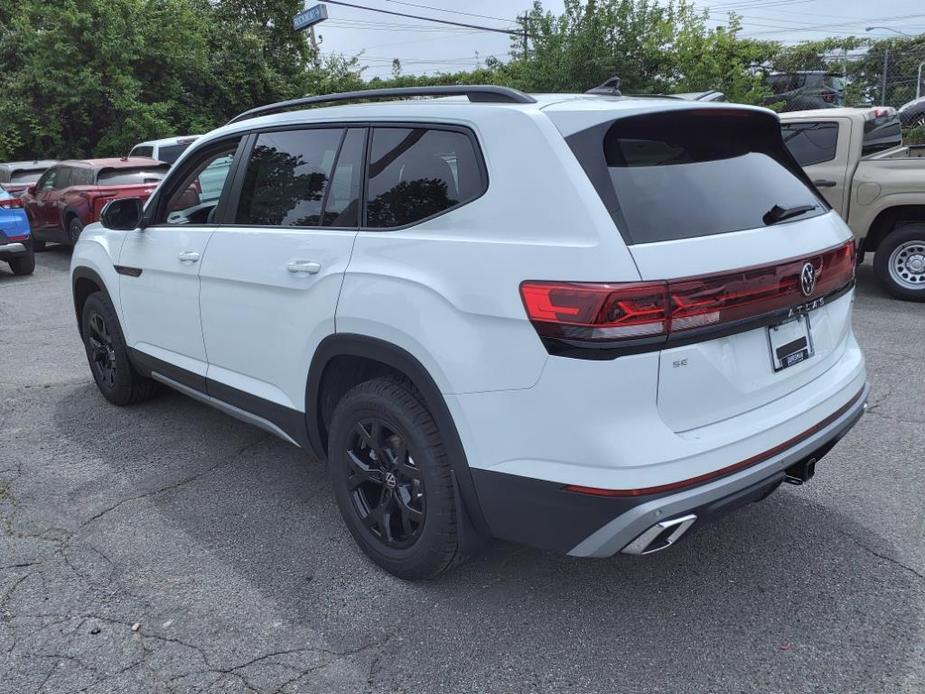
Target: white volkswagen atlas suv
pixel 588 323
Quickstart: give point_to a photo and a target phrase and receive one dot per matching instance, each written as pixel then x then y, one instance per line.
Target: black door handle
pixel 824 183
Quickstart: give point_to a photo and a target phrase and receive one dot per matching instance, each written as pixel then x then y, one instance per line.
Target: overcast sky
pixel 427 48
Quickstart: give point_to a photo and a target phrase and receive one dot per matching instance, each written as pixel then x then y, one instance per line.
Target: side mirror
pixel 122 214
pixel 31 188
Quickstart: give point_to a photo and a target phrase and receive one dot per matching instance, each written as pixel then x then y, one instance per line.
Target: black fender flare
pixel 350 344
pixel 83 272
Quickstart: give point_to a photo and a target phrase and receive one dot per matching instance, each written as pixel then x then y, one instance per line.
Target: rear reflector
pixel 604 312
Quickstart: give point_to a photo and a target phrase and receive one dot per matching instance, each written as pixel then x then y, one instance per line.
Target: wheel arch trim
pixel 399 359
pixel 88 273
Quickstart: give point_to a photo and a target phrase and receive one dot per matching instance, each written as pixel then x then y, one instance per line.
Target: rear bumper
pixel 13 249
pixel 547 515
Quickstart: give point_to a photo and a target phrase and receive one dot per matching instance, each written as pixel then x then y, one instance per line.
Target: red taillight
pixel 584 311
pixel 11 204
pixel 634 310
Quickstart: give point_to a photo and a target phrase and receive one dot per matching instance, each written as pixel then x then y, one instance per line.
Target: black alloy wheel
pixel 386 486
pixel 102 352
pixel 393 479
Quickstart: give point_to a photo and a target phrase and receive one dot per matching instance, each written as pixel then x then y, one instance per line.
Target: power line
pixel 513 32
pixel 440 9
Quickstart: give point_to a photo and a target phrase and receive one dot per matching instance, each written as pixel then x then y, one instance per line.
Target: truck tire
pixel 900 262
pixel 74 227
pixel 392 480
pixel 107 354
pixel 23 265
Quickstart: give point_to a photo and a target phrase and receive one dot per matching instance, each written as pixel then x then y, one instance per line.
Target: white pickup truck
pixel 856 159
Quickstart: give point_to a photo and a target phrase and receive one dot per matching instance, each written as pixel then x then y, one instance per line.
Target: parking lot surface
pixel 169 548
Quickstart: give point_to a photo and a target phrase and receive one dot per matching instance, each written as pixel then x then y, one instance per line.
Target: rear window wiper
pixel 779 214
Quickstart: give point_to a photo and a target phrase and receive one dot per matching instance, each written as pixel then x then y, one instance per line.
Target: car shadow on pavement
pixel 215 519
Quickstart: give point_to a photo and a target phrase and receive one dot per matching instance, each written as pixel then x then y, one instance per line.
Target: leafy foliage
pixel 93 77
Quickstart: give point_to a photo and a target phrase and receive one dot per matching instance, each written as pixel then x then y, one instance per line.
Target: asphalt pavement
pixel 168 548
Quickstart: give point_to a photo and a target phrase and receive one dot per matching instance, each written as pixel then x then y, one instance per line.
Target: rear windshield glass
pixel 130 177
pixel 171 153
pixel 880 134
pixel 685 174
pixel 26 176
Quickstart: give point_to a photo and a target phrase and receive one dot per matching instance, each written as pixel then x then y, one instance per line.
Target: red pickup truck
pixel 71 194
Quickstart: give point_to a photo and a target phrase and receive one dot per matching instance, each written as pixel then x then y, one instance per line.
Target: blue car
pixel 15 235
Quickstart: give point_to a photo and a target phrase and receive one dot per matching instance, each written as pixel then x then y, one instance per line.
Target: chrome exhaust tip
pixel 660 536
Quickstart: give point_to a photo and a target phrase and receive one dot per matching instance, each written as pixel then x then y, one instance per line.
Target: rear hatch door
pixel 758 267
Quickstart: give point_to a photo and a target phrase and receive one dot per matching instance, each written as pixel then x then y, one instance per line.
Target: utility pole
pixel 313 42
pixel 886 62
pixel 526 34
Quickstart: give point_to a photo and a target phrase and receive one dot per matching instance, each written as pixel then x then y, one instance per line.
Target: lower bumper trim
pixel 10 248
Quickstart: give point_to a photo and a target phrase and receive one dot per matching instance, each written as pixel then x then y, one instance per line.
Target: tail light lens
pixel 596 311
pixel 591 312
pixel 11 204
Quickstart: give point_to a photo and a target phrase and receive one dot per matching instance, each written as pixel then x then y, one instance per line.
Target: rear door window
pixel 287 177
pixel 416 173
pixel 811 143
pixel 690 173
pixel 881 133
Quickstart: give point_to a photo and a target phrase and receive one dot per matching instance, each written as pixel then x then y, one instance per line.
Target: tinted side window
pixel 881 133
pixel 193 193
pixel 287 176
pixel 65 177
pixel 145 151
pixel 417 173
pixel 811 143
pixel 47 181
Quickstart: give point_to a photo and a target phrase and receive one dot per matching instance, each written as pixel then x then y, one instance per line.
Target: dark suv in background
pixel 804 91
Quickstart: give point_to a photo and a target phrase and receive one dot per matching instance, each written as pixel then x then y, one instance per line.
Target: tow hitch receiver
pixel 801 472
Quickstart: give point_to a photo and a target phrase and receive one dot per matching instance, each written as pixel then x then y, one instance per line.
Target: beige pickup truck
pixel 855 158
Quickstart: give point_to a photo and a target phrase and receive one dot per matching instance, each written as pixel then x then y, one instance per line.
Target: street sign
pixel 310 16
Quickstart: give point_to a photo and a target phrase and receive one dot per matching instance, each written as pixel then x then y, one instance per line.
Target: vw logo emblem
pixel 390 480
pixel 808 279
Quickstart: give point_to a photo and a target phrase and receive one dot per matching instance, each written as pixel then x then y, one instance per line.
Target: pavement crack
pixel 176 485
pixel 885 557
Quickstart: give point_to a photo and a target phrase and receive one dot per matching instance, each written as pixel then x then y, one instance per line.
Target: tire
pixel 900 262
pixel 74 227
pixel 23 265
pixel 402 513
pixel 107 355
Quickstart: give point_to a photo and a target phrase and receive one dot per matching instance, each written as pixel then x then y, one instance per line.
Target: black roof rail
pixel 482 93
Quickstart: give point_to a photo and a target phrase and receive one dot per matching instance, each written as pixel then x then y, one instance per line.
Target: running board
pixel 222 406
